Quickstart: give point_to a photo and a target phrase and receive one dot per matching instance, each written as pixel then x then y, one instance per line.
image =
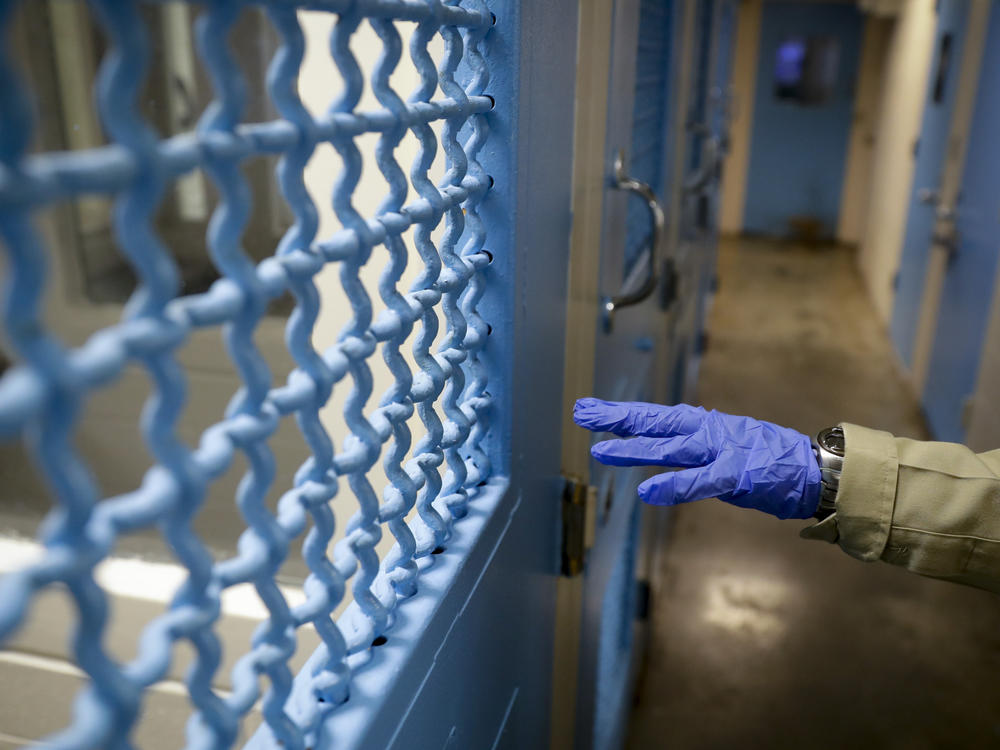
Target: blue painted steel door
pixel 931 151
pixel 971 271
pixel 645 353
pixel 708 145
pixel 625 366
pixel 445 636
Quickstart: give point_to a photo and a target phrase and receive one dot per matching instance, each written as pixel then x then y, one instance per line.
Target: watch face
pixel 833 440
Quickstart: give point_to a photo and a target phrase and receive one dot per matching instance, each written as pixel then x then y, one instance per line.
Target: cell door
pixel 928 204
pixel 416 240
pixel 970 265
pixel 628 341
pixel 707 143
pixel 623 291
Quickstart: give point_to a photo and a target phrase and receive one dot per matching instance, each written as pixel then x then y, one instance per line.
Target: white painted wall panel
pixel 902 106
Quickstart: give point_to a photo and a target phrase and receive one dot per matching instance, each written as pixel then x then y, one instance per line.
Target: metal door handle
pixel 634 290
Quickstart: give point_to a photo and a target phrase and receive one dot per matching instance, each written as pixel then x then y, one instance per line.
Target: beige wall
pixel 744 78
pixel 864 129
pixel 907 68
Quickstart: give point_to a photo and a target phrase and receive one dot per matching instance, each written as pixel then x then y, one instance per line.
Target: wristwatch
pixel 829 450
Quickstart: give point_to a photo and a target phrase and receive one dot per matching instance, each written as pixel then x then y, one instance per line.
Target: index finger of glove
pixel 637 418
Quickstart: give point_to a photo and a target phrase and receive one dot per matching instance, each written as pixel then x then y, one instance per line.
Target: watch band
pixel 829 449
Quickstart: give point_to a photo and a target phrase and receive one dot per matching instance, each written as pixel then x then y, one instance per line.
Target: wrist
pixel 828 447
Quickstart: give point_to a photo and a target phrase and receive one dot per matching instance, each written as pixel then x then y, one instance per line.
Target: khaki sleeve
pixel 932 508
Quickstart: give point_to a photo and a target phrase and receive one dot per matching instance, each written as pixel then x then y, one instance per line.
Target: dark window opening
pixel 805 70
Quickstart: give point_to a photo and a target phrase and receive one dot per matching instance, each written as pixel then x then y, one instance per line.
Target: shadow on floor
pixel 763 640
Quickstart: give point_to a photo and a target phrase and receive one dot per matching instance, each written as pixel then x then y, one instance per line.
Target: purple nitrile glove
pixel 740 460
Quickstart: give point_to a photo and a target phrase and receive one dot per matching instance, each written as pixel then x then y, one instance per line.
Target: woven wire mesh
pixel 649 113
pixel 444 396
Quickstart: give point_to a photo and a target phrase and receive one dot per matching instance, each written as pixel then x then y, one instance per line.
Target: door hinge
pixel 577 525
pixel 668 283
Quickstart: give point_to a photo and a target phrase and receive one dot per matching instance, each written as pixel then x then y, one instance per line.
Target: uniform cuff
pixel 866 496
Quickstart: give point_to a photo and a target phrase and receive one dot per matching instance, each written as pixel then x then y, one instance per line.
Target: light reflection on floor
pixel 746 604
pixel 764 640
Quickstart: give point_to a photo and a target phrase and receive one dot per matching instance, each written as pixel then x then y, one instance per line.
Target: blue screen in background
pixel 789 64
pixel 805 70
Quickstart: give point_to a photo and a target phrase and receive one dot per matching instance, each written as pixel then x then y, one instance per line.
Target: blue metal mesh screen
pixel 699 115
pixel 445 395
pixel 649 113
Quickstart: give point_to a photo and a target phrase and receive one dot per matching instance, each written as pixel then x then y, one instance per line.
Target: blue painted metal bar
pixel 449 14
pixel 42 395
pixel 59 175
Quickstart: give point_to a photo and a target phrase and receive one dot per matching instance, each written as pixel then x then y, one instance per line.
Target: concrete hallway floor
pixel 761 639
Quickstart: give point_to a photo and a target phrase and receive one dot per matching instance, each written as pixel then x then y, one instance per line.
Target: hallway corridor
pixel 763 640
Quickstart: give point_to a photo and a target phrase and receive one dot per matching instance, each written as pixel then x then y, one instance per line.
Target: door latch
pixel 945 234
pixel 578 500
pixel 668 284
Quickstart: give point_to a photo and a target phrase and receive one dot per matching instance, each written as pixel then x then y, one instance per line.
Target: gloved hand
pixel 740 460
